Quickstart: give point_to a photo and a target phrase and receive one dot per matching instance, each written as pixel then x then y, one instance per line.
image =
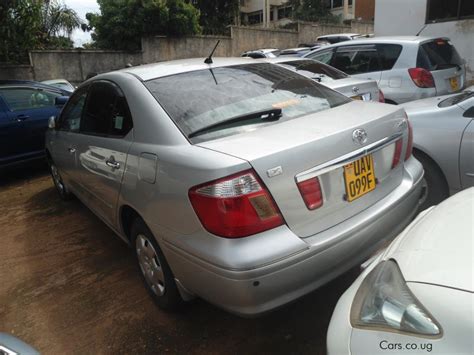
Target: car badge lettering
pixel 359 136
pixel 274 171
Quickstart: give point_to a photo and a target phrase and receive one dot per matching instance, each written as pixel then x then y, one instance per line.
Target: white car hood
pixel 439 248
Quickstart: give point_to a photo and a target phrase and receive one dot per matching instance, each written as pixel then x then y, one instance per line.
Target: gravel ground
pixel 68 285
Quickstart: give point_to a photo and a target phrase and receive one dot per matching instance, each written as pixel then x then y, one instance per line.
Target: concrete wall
pixel 17 72
pixel 74 65
pixel 407 17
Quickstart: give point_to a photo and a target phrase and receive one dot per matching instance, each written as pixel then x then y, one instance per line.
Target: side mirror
pixel 52 122
pixel 61 100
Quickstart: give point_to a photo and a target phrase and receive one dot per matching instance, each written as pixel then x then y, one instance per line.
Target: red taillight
pixel 410 141
pixel 311 192
pixel 381 96
pixel 421 77
pixel 235 206
pixel 397 155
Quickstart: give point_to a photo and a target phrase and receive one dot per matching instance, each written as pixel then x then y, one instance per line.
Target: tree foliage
pixel 217 15
pixel 122 23
pixel 34 24
pixel 312 11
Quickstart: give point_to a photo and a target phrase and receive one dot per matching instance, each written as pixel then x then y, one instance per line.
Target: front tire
pixel 61 188
pixel 434 183
pixel 155 271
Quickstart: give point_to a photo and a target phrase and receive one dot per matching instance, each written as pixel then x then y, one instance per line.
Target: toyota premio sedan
pixel 243 183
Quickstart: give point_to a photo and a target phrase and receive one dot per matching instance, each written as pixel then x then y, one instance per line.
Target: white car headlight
pixel 384 302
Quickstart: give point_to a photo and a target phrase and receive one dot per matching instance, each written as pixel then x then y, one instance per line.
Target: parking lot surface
pixel 68 285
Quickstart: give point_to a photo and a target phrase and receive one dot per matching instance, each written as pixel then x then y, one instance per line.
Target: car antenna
pixel 423 28
pixel 209 59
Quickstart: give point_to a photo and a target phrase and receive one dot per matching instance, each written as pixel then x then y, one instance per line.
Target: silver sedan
pixel 241 182
pixel 443 141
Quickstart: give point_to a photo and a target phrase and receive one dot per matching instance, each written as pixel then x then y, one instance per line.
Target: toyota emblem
pixel 359 136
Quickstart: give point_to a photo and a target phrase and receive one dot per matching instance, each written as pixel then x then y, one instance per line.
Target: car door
pixel 32 107
pixel 63 139
pixel 360 61
pixel 466 157
pixel 103 146
pixel 12 134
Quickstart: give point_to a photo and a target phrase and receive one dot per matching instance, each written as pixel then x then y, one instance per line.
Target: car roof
pixel 162 69
pixel 29 83
pixel 340 34
pixel 380 40
pixel 263 50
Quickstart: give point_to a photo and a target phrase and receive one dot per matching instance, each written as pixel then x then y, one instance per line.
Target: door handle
pixel 112 163
pixel 71 150
pixel 20 118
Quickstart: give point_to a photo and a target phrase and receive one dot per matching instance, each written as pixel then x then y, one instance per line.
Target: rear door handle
pixel 112 163
pixel 20 118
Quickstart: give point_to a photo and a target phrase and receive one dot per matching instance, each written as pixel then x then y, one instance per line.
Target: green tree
pixel 34 24
pixel 122 23
pixel 312 11
pixel 217 15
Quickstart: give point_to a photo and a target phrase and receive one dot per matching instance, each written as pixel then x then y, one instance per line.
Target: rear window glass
pixel 438 55
pixel 201 99
pixel 313 69
pixel 456 99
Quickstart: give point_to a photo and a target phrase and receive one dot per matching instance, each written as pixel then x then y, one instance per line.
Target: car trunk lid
pixel 294 150
pixel 366 90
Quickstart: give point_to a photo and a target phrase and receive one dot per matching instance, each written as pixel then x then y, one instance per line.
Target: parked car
pixel 340 37
pixel 240 182
pixel 10 345
pixel 443 140
pixel 25 108
pixel 418 295
pixel 61 84
pixel 406 68
pixel 357 89
pixel 262 53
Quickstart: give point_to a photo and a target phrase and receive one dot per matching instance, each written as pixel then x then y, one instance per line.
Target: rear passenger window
pixel 106 112
pixel 388 54
pixel 323 56
pixel 357 59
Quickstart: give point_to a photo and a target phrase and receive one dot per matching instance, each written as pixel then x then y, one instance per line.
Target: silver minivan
pixel 406 67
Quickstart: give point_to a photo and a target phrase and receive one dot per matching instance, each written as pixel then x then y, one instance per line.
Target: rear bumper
pixel 325 256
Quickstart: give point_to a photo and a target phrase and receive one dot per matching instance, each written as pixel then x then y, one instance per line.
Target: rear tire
pixel 61 188
pixel 434 183
pixel 155 271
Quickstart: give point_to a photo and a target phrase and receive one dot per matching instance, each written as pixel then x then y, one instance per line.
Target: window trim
pixel 458 17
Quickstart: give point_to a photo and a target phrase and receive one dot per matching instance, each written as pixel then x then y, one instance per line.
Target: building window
pixel 332 4
pixel 442 10
pixel 255 17
pixel 284 12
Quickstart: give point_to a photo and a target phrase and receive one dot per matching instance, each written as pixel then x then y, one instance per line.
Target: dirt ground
pixel 69 286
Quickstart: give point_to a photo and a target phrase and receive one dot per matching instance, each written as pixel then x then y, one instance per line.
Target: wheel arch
pixel 417 152
pixel 127 215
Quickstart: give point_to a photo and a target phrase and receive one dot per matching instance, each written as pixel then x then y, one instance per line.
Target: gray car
pixel 405 67
pixel 443 142
pixel 356 89
pixel 241 182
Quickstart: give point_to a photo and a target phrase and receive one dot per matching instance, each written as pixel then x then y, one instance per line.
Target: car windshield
pixel 204 98
pixel 313 69
pixel 438 55
pixel 456 99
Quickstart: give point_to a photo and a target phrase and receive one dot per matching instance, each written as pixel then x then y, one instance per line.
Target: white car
pixel 418 295
pixel 406 68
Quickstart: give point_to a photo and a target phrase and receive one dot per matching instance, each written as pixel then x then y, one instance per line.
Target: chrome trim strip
pixel 347 158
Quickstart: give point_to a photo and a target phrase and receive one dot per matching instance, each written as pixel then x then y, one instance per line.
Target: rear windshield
pixel 437 55
pixel 456 99
pixel 203 98
pixel 313 69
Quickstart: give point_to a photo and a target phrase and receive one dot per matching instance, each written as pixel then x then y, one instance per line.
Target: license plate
pixel 359 177
pixel 454 82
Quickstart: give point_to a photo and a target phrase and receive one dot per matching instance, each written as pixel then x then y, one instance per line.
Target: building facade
pixel 438 18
